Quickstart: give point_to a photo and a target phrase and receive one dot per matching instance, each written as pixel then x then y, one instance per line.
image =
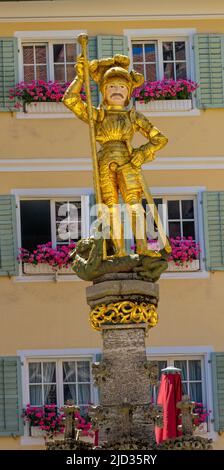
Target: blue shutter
pixel 8 71
pixel 218 390
pixel 11 422
pixel 8 241
pixel 209 63
pixel 213 211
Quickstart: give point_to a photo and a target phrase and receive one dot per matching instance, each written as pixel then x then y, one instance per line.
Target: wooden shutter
pixel 209 62
pixel 108 46
pixel 218 390
pixel 8 241
pixel 8 71
pixel 10 396
pixel 92 43
pixel 213 211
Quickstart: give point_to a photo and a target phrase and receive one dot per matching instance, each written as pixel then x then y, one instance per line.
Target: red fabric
pixel 170 392
pixel 96 440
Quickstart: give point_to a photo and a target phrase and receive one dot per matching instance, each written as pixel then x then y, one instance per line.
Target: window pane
pixel 137 51
pixel 188 229
pixel 49 374
pixel 58 52
pixel 187 209
pixel 150 53
pixel 69 373
pixel 173 210
pixel 139 68
pixel 35 395
pixel 59 72
pixel 35 372
pixel 70 53
pixel 83 371
pixel 180 53
pixel 50 395
pixel 41 72
pixel 28 55
pixel 181 70
pixel 150 72
pixel 174 229
pixel 195 370
pixel 196 392
pixel 40 54
pixel 68 221
pixel 29 73
pixel 183 366
pixel 70 72
pixel 161 365
pixel 169 70
pixel 184 389
pixel 70 393
pixel 35 223
pixel 168 51
pixel 84 394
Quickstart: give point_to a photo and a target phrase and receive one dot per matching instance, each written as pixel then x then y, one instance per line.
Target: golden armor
pixel 119 165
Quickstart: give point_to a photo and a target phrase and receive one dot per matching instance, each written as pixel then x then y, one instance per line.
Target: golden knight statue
pixel 112 126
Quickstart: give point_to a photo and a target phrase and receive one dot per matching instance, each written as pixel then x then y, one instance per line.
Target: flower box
pixel 164 105
pixel 201 429
pixel 187 266
pixel 44 268
pixel 36 431
pixel 49 107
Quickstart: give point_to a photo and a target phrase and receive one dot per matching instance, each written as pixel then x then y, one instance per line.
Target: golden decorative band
pixel 125 312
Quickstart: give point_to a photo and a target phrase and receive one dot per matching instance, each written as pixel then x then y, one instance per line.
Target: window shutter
pixel 93 55
pixel 213 211
pixel 218 390
pixel 8 71
pixel 8 242
pixel 209 62
pixel 10 396
pixel 108 46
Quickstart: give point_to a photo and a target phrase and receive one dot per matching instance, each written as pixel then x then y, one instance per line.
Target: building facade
pixel 46 342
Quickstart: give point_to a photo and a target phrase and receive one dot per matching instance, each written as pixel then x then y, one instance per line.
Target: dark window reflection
pixel 35 223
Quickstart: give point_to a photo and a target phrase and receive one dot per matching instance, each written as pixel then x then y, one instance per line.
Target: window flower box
pixel 44 268
pixel 164 105
pixel 36 431
pixel 165 95
pixel 186 266
pixel 46 108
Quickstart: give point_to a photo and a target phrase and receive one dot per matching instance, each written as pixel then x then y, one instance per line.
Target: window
pixel 56 381
pixel 50 220
pixel 180 215
pixel 160 59
pixel 192 376
pixel 49 60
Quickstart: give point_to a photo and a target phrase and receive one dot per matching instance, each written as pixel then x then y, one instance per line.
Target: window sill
pixel 32 441
pixel 167 108
pixel 45 110
pixel 186 275
pixel 46 278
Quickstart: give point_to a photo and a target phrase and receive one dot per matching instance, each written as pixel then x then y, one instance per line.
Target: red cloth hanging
pixel 170 392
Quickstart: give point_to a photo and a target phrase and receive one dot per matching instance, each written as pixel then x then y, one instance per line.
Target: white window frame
pixel 59 376
pixel 50 37
pixel 159 53
pixel 189 192
pixel 51 194
pixel 162 34
pixel 180 197
pixel 51 355
pixel 49 54
pixel 188 353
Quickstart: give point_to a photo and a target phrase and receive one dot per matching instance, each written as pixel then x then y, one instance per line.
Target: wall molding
pixel 134 17
pixel 15 165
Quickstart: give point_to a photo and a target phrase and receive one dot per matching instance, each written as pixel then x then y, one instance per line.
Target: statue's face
pixel 116 93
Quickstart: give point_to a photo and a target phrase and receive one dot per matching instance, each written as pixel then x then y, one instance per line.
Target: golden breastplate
pixel 115 126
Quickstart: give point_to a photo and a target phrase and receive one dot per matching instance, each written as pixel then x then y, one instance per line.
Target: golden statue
pixel 117 166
